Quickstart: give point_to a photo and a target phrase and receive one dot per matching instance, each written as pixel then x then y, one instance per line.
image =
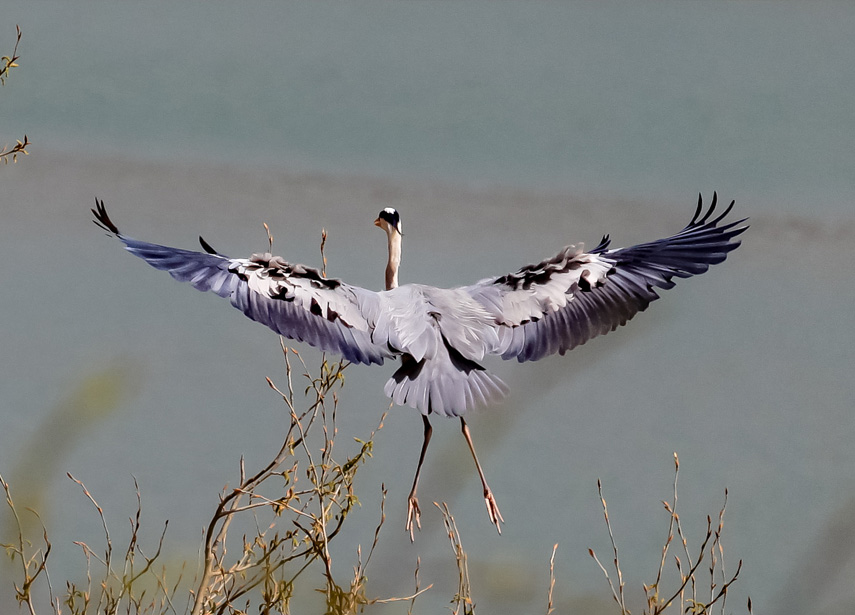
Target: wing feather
pixel 442 334
pixel 292 300
pixel 575 296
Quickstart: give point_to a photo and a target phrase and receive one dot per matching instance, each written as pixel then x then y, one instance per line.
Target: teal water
pixel 652 100
pixel 501 131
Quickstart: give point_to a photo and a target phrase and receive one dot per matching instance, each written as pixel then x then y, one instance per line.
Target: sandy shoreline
pixel 54 188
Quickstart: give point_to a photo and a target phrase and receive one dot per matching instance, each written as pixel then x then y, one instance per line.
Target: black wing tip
pixel 207 247
pixel 713 204
pixel 102 220
pixel 698 210
pixel 701 220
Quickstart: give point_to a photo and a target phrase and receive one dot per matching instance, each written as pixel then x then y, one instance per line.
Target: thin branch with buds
pixel 7 63
pixel 687 574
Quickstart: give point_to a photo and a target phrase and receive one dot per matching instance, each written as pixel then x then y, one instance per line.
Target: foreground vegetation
pixel 269 537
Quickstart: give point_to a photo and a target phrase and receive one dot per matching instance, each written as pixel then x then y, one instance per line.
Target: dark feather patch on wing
pixel 542 272
pixel 279 268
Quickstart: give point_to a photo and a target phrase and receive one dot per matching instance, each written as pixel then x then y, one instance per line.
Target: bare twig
pixel 269 237
pixel 688 579
pixel 315 513
pixel 34 564
pixel 549 603
pixel 323 252
pixel 463 598
pixel 617 593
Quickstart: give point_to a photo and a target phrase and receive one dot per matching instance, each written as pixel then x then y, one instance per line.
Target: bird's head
pixel 389 220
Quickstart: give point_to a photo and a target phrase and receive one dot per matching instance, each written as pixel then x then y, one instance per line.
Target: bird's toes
pixel 493 510
pixel 413 514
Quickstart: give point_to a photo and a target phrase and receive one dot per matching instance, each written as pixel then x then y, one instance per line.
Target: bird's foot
pixel 493 509
pixel 413 514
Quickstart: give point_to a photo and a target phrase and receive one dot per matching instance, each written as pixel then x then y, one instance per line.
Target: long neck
pixel 394 260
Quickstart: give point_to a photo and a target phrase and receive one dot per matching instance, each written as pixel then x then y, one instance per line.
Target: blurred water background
pixel 501 132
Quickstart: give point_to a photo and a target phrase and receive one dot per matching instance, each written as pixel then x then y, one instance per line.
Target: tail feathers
pixel 447 384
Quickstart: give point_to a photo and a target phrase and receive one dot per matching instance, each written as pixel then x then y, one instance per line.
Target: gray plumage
pixel 443 335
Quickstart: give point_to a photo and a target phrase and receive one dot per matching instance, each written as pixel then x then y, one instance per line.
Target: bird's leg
pixel 413 511
pixel 492 507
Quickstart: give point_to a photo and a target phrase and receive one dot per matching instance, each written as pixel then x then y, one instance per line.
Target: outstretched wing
pixel 293 300
pixel 564 301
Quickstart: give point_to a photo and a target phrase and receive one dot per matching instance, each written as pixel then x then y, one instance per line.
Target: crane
pixel 442 335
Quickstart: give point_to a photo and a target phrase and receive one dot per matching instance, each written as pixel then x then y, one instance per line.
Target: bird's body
pixel 443 335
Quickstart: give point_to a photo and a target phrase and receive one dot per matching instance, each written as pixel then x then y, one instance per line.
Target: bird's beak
pixel 377 222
